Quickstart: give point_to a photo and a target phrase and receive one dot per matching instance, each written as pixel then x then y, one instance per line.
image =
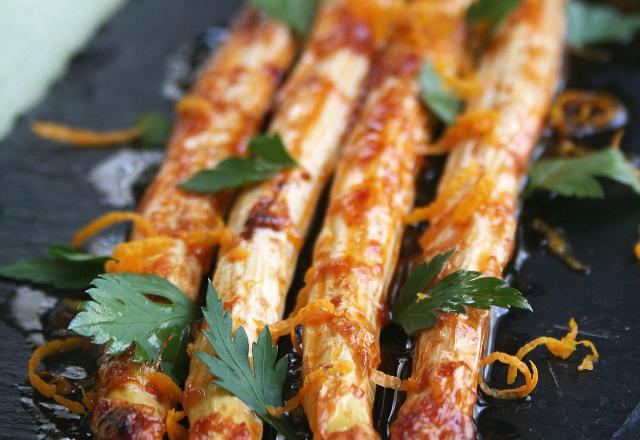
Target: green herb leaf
pixel 155 129
pixel 258 387
pixel 63 268
pixel 268 157
pixel 441 101
pixel 491 12
pixel 576 176
pixel 122 314
pixel 597 23
pixel 297 14
pixel 451 294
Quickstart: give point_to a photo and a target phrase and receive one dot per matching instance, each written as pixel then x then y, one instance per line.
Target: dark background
pixel 45 196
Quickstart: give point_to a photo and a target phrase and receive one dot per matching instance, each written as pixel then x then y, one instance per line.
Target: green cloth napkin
pixel 37 39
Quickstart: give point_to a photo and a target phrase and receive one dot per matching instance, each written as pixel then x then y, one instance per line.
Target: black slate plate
pixel 45 196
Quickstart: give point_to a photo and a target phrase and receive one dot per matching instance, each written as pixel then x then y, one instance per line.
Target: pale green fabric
pixel 37 39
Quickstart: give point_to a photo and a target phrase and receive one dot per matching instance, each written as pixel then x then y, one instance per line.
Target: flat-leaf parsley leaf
pixel 443 102
pixel 268 157
pixel 417 304
pixel 297 14
pixel 63 268
pixel 122 314
pixel 576 176
pixel 597 23
pixel 260 386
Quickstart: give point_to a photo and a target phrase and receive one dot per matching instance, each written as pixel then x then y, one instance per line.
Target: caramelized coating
pixel 357 249
pixel 270 220
pixel 518 74
pixel 232 96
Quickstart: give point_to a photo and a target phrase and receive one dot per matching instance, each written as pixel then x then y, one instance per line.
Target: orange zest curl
pixel 312 312
pixel 194 104
pixel 469 177
pixel 166 386
pixel 50 390
pixel 143 226
pixel 477 125
pixel 387 381
pixel 463 86
pixel 562 348
pixel 530 376
pixel 319 377
pixel 83 137
pixel 475 197
pixel 291 404
pixel 175 431
pixel 582 112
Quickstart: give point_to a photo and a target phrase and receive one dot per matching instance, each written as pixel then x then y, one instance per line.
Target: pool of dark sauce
pixel 42 314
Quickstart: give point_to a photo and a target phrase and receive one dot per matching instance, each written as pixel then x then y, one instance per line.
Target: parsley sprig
pixel 258 387
pixel 155 129
pixel 122 314
pixel 598 23
pixel 63 268
pixel 576 176
pixel 442 101
pixel 268 157
pixel 297 14
pixel 417 304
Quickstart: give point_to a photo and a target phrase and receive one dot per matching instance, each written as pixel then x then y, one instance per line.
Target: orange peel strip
pixel 562 348
pixel 143 226
pixel 314 311
pixel 82 137
pixel 531 380
pixel 470 175
pixel 279 411
pixel 387 381
pixel 166 386
pixel 195 104
pixel 175 431
pixel 47 389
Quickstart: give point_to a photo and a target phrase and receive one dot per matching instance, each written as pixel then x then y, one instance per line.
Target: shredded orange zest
pixel 473 199
pixel 530 379
pixel 464 87
pixel 89 399
pixel 175 431
pixel 470 175
pixel 477 124
pixel 315 310
pixel 617 139
pixel 143 226
pixel 138 255
pixel 291 404
pixel 578 108
pixel 559 246
pixel 50 390
pixel 82 137
pixel 195 104
pixel 321 376
pixel 387 381
pixel 165 386
pixel 562 348
pixel 207 237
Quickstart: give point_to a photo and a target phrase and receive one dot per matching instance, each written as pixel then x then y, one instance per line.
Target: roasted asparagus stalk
pixel 224 109
pixel 270 221
pixel 357 248
pixel 518 74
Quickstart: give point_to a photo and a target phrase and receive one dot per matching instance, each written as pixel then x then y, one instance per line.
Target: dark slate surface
pixel 45 197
